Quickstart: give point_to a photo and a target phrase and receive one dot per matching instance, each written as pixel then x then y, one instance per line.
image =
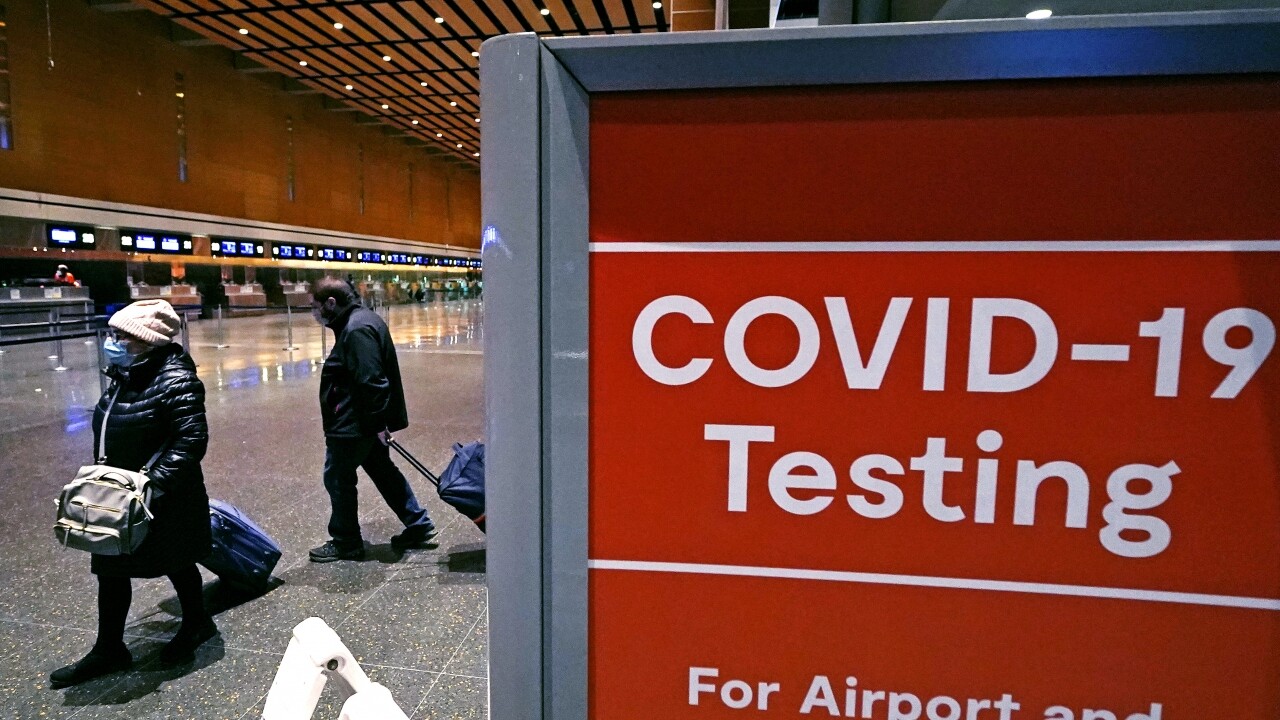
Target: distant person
pixel 155 400
pixel 361 404
pixel 64 277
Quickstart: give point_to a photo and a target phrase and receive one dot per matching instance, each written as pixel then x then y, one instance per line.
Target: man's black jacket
pixel 360 389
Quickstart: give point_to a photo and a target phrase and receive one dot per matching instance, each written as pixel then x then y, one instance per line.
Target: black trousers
pixel 342 457
pixel 115 594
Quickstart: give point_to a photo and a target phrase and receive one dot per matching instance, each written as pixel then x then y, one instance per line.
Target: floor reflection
pixel 256 354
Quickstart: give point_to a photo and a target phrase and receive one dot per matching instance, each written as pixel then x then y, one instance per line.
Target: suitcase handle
pixel 413 461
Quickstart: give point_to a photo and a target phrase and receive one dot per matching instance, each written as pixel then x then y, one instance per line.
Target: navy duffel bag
pixel 462 482
pixel 243 554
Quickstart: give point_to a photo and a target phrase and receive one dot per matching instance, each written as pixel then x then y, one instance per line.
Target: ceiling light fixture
pixel 423 84
pixel 459 144
pixel 439 19
pixel 1039 14
pixel 415 122
pixel 476 154
pixel 351 87
pixel 657 6
pixel 337 26
pixel 181 95
pixel 475 53
pixel 477 119
pixel 439 135
pixel 244 31
pixel 386 58
pixel 453 104
pixel 303 63
pixel 545 11
pixel 385 106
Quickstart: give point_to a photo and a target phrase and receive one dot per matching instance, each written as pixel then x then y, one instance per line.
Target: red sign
pixel 963 408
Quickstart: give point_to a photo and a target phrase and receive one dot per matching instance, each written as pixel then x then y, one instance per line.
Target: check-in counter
pixel 297 294
pixel 177 294
pixel 245 300
pixel 20 305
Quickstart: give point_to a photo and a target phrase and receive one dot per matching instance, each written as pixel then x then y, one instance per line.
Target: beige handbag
pixel 104 509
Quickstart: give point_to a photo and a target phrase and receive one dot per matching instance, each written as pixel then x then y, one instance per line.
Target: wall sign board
pixel 71 237
pixel 235 247
pixel 291 251
pixel 333 254
pixel 152 241
pixel 938 400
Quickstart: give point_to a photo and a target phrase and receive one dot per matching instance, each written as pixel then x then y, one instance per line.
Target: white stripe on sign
pixel 1162 596
pixel 1101 353
pixel 941 246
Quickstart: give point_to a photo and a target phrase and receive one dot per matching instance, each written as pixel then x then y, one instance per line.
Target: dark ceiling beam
pixel 114 6
pixel 186 37
pixel 333 105
pixel 294 87
pixel 245 65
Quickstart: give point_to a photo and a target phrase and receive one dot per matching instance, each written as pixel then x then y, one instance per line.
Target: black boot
pixel 99 662
pixel 193 634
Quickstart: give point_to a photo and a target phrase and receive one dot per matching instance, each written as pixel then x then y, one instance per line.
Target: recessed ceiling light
pixel 385 106
pixel 437 135
pixel 337 26
pixel 657 6
pixel 423 84
pixel 545 11
pixel 1039 14
pixel 386 58
pixel 244 31
pixel 303 63
pixel 475 53
pixel 476 154
pixel 477 119
pixel 453 104
pixel 351 87
pixel 459 144
pixel 415 122
pixel 439 19
pixel 181 95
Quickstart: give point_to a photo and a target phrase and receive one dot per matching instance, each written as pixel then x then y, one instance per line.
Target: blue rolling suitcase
pixel 243 554
pixel 462 482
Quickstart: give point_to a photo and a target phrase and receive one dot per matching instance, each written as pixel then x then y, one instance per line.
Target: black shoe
pixel 418 536
pixel 182 648
pixel 329 552
pixel 94 665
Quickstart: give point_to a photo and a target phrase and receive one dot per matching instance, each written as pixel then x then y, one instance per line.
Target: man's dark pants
pixel 342 457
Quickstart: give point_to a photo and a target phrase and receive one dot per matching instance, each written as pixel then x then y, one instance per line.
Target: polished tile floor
pixel 417 622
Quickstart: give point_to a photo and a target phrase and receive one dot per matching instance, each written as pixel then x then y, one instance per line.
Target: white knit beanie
pixel 151 321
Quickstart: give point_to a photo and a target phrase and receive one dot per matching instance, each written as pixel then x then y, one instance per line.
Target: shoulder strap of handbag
pixel 102 436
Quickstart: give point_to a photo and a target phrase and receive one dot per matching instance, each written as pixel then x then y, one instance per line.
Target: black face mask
pixel 320 315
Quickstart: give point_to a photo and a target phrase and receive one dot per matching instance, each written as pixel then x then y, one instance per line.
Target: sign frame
pixel 535 213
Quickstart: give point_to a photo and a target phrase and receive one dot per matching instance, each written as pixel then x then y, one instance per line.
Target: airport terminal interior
pixel 229 158
pixel 416 621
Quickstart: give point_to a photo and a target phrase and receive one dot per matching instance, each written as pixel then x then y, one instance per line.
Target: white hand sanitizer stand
pixel 315 654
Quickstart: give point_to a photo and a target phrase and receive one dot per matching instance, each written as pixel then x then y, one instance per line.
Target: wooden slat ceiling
pixel 413 64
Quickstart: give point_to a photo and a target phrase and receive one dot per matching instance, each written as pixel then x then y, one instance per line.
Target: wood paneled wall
pixel 101 123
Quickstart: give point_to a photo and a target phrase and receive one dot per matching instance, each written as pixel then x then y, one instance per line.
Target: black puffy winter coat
pixel 161 402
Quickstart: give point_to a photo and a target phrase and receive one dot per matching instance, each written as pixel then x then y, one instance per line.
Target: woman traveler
pixel 155 401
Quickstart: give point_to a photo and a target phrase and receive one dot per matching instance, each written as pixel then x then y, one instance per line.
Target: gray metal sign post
pixel 535 206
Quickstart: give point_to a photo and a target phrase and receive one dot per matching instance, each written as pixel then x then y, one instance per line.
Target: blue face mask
pixel 116 354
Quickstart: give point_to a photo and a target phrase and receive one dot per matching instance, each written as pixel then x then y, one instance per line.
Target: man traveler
pixel 361 403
